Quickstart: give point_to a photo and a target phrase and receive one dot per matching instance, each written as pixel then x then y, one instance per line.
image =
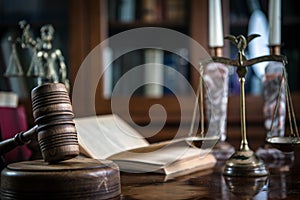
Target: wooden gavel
pixel 53 114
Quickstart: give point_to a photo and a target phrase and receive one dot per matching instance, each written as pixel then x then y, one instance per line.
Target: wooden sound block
pixel 77 178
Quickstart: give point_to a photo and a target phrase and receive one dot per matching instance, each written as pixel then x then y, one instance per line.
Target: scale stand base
pixel 245 163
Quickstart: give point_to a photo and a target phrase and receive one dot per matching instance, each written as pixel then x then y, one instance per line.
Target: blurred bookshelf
pixel 185 16
pixel 124 15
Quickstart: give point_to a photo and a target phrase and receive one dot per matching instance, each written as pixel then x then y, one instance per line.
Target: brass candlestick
pixel 244 162
pixel 274 49
pixel 216 51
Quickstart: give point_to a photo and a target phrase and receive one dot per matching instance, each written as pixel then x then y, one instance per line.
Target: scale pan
pixel 199 138
pixel 197 141
pixel 285 144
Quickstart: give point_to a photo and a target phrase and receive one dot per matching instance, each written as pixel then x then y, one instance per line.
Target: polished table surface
pixel 283 182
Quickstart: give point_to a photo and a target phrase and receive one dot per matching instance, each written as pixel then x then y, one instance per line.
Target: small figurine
pixel 47 64
pixel 52 60
pixel 26 41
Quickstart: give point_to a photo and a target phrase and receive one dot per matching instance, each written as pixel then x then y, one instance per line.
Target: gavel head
pixel 56 131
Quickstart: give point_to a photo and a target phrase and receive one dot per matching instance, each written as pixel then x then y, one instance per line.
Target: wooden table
pixel 282 183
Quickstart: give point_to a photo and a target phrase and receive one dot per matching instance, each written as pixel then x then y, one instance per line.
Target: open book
pixel 109 137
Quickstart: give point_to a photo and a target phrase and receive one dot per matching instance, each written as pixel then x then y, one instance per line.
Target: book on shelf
pixel 154 72
pixel 121 10
pixel 126 79
pixel 110 137
pixel 108 72
pixel 175 11
pixel 127 10
pixel 176 76
pixel 151 10
pixel 164 71
pixel 172 11
pixel 147 11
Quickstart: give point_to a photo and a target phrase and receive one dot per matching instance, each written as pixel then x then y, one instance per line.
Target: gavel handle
pixel 19 139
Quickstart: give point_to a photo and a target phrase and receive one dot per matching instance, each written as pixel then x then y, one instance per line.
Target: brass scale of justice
pixel 244 162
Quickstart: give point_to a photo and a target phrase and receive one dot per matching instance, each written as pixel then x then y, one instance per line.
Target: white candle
pixel 275 22
pixel 215 24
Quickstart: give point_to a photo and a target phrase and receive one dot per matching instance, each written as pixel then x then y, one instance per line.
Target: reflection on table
pixel 283 182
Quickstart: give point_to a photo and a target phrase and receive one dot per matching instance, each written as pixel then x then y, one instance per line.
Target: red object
pixel 13 121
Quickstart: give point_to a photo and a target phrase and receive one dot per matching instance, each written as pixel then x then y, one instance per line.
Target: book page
pixel 158 155
pixel 196 163
pixel 102 136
